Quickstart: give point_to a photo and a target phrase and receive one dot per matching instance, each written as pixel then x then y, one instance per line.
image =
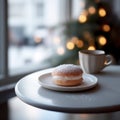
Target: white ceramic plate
pixel 46 81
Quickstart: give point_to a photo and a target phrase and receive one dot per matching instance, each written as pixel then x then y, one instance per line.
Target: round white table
pixel 104 97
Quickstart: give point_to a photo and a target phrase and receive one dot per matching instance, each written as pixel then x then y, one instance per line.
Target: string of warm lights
pixel 102 12
pixel 83 18
pixel 88 36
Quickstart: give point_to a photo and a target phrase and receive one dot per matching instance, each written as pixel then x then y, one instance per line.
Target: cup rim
pixel 93 52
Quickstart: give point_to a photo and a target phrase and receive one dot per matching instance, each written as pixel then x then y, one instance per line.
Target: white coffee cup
pixel 93 61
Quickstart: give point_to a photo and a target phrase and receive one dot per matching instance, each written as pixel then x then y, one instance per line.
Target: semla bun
pixel 67 75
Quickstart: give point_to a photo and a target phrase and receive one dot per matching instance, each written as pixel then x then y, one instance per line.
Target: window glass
pixel 44 33
pixel 35 38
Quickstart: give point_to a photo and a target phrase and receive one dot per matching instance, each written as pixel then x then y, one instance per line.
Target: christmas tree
pixel 95 28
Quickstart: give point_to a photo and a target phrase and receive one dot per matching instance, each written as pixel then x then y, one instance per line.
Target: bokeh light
pixel 91 10
pixel 102 12
pixel 70 45
pixel 74 40
pixel 37 39
pixel 91 47
pixel 87 35
pixel 60 50
pixel 56 40
pixel 84 12
pixel 82 18
pixel 82 4
pixel 102 40
pixel 80 43
pixel 106 28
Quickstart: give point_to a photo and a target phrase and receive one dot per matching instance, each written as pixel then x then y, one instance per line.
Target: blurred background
pixel 45 33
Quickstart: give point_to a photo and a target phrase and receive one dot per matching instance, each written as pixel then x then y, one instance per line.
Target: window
pixel 31 37
pixel 38 34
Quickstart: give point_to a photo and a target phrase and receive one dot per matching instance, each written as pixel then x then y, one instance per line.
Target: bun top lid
pixel 67 69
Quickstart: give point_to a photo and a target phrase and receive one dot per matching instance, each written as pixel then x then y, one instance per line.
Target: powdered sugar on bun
pixel 67 75
pixel 67 70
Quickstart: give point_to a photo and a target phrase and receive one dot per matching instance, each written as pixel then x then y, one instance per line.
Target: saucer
pixel 46 81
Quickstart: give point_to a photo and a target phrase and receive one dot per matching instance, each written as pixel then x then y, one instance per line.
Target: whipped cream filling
pixel 67 78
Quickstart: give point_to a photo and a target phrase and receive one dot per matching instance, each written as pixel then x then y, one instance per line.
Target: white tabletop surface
pixel 104 97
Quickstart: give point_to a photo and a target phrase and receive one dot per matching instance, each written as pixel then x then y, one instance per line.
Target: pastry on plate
pixel 67 75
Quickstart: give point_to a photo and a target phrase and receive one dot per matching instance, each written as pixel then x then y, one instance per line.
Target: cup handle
pixel 108 60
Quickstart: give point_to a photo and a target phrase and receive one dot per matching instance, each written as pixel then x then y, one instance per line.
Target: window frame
pixel 5 77
pixel 6 91
pixel 3 38
pixel 6 81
